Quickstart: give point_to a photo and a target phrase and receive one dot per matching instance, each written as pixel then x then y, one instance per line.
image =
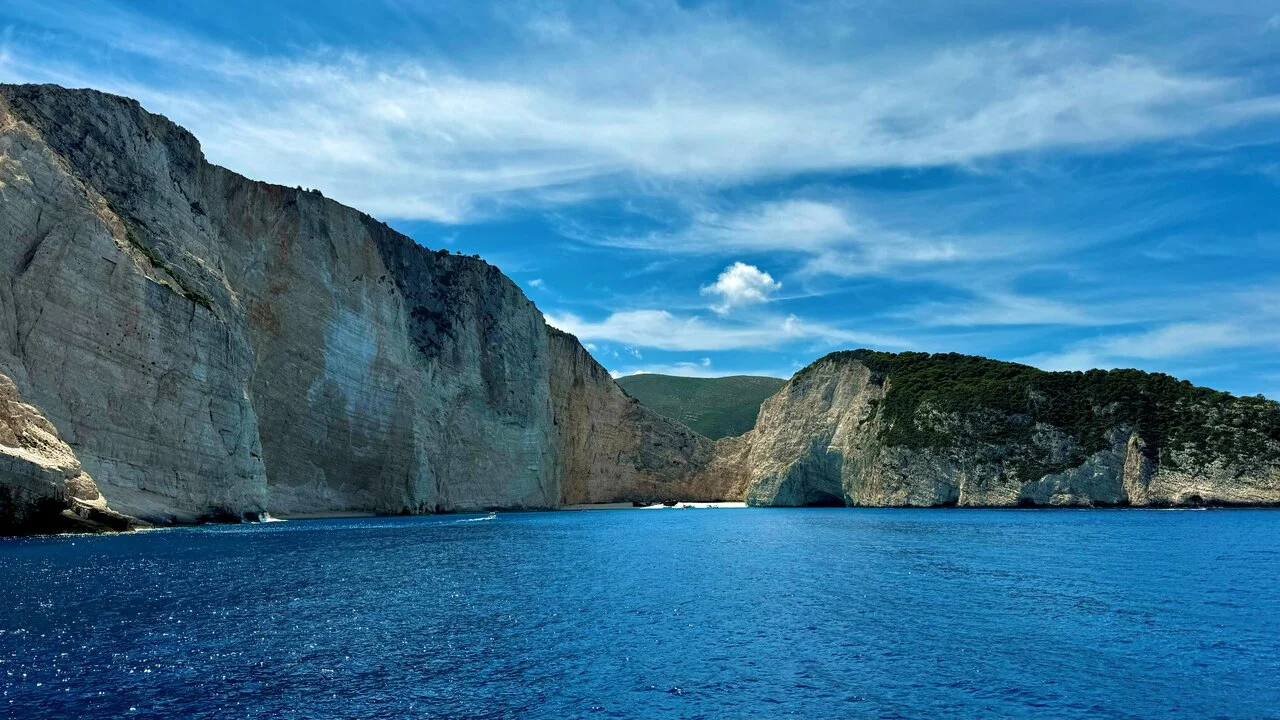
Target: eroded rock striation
pixel 876 429
pixel 211 346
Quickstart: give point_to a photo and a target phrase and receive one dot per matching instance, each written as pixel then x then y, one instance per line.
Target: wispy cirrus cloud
pixel 998 308
pixel 829 237
pixel 1076 185
pixel 667 331
pixel 718 102
pixel 696 368
pixel 794 225
pixel 1177 340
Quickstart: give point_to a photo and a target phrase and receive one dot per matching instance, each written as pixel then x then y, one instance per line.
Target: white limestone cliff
pixel 821 440
pixel 212 346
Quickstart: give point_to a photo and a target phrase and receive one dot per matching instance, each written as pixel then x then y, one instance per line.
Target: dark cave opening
pixel 821 499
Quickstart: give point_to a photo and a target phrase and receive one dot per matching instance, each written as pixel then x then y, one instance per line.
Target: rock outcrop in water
pixel 212 346
pixel 42 486
pixel 876 429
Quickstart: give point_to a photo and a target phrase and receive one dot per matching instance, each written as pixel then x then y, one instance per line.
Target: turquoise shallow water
pixel 816 613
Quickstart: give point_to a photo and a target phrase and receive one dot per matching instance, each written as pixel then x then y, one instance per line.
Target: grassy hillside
pixel 715 407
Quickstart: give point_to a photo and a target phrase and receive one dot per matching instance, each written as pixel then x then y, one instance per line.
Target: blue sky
pixel 712 188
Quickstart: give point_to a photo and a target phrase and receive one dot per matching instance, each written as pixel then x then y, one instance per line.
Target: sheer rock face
pixel 211 345
pixel 617 450
pixel 102 254
pixel 819 441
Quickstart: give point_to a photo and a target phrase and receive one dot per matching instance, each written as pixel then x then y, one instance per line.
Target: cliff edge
pixel 212 346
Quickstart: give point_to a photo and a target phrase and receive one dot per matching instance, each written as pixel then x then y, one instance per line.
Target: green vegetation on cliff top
pixel 714 407
pixel 1000 403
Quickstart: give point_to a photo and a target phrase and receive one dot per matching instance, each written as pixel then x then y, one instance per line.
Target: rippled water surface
pixel 654 614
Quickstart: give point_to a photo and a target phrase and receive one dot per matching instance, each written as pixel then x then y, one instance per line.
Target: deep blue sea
pixel 707 613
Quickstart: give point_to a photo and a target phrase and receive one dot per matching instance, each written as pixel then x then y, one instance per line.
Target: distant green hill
pixel 715 407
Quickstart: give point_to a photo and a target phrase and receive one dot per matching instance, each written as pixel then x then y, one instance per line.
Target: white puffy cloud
pixel 741 284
